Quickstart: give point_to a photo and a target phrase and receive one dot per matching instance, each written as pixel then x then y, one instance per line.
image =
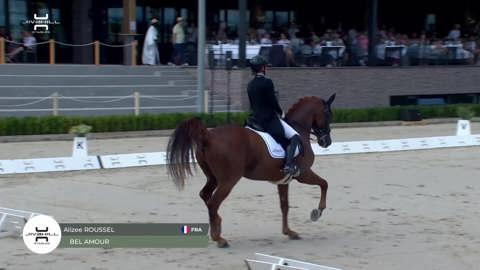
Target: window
pixel 281 18
pixel 18 14
pixel 3 21
pixel 115 18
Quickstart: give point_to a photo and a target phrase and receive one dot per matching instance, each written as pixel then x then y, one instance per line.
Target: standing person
pixel 266 112
pixel 178 40
pixel 150 55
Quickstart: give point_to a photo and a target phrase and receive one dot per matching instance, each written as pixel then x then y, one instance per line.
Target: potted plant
pixel 80 148
pixel 463 125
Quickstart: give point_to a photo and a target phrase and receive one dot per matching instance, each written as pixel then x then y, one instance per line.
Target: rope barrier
pixel 89 99
pixel 115 46
pixel 21 44
pixel 167 97
pixel 74 45
pixel 83 99
pixel 27 104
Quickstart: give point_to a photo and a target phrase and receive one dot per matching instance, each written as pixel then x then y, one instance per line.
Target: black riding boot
pixel 290 167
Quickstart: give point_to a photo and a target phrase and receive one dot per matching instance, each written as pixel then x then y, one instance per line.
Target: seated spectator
pixel 285 42
pixel 472 45
pixel 314 37
pixel 266 39
pixel 438 52
pixel 252 39
pixel 28 48
pixel 362 49
pixel 296 43
pixel 293 30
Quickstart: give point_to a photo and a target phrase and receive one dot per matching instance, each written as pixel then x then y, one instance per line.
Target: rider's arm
pixel 272 98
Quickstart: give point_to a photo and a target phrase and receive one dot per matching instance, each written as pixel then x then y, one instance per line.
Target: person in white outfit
pixel 150 55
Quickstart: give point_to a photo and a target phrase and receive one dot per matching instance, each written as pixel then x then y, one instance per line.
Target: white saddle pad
pixel 274 149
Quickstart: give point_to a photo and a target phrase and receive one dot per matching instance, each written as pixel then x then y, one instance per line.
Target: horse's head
pixel 321 122
pixel 313 115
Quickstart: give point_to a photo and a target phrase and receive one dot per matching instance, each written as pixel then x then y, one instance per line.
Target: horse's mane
pixel 297 105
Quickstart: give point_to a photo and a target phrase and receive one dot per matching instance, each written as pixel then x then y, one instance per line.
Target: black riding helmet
pixel 257 62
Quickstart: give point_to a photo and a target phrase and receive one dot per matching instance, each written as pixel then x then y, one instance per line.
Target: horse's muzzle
pixel 324 141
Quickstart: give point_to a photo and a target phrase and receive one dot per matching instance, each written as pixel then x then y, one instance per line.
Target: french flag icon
pixel 185 229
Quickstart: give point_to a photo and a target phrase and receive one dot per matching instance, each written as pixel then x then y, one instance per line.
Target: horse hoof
pixel 294 236
pixel 316 214
pixel 223 244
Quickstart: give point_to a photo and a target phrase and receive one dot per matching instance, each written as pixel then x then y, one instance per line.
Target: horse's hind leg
pixel 210 186
pixel 309 177
pixel 213 204
pixel 283 193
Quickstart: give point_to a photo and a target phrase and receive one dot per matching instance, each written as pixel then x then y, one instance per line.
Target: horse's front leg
pixel 283 193
pixel 309 177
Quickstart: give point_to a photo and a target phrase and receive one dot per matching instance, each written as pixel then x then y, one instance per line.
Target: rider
pixel 266 112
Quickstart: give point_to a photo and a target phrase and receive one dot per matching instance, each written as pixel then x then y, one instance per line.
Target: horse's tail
pixel 188 136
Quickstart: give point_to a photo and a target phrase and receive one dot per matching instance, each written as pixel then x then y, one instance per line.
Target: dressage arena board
pixel 269 262
pixel 57 164
pixel 12 221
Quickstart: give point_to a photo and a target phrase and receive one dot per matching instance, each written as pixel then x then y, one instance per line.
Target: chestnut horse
pixel 227 153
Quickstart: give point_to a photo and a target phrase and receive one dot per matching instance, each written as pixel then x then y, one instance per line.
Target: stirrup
pixel 293 171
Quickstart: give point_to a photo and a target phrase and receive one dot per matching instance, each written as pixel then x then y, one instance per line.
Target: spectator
pixel 266 40
pixel 471 45
pixel 293 30
pixel 362 49
pixel 285 42
pixel 192 33
pixel 178 40
pixel 29 46
pixel 222 32
pixel 455 33
pixel 252 39
pixel 150 55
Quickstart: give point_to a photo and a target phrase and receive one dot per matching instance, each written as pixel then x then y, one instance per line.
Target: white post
pixel 80 148
pixel 205 98
pixel 463 128
pixel 136 98
pixel 55 104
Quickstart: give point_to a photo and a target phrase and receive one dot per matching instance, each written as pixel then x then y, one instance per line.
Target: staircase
pixel 28 89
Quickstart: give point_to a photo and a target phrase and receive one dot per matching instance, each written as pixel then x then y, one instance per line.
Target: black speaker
pixel 411 115
pixel 277 56
pixel 228 60
pixel 211 59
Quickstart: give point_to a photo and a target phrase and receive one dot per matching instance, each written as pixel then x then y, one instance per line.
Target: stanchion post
pixel 97 52
pixel 55 104
pixel 134 52
pixel 211 65
pixel 228 66
pixel 205 99
pixel 51 47
pixel 2 50
pixel 136 101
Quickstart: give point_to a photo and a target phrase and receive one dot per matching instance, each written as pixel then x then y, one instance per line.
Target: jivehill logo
pixel 42 234
pixel 41 24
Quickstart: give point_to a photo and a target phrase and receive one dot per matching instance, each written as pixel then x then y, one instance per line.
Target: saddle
pixel 274 148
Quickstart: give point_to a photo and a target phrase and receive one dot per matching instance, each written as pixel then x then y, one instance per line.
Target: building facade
pixel 117 21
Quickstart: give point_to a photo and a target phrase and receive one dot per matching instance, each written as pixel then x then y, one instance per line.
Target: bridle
pixel 317 131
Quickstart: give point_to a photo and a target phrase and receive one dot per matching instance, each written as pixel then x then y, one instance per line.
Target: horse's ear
pixel 331 99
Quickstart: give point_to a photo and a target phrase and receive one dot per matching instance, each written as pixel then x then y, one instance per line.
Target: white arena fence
pixel 89 162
